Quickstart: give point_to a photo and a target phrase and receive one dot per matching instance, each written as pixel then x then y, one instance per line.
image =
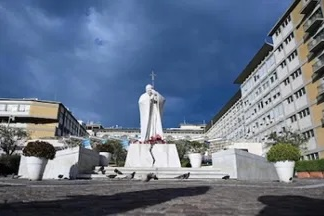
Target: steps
pixel 162 173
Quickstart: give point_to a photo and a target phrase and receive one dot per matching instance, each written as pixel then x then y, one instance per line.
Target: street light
pixel 11 118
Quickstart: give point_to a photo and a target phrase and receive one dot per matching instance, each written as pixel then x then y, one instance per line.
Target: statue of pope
pixel 151 105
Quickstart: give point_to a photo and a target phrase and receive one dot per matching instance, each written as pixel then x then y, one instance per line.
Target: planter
pixel 35 168
pixel 195 160
pixel 316 174
pixel 303 174
pixel 285 170
pixel 104 158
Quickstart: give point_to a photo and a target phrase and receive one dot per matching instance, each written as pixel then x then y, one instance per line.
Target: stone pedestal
pixel 166 155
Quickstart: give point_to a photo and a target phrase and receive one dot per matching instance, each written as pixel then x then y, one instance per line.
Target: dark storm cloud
pixel 96 56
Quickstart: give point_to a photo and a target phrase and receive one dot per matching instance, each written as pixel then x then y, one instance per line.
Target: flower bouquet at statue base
pixel 157 139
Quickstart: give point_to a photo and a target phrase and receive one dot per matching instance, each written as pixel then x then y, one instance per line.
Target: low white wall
pixel 68 162
pixel 243 165
pixel 254 148
pixel 166 155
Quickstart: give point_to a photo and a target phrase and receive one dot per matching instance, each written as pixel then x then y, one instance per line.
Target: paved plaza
pixel 168 197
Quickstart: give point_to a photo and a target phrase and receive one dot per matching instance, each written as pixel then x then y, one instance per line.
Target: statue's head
pixel 149 89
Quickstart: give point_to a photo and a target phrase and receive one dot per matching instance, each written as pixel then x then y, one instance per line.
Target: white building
pixel 229 122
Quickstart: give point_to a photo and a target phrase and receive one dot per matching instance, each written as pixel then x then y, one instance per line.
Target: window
pixel 296 74
pixel 303 113
pixel 286 81
pixel 273 77
pixel 280 48
pixel 292 56
pixel 309 134
pixel 300 92
pixel 278 31
pixel 2 107
pixel 293 118
pixel 289 38
pixel 283 64
pixel 12 107
pixel 290 99
pixel 23 108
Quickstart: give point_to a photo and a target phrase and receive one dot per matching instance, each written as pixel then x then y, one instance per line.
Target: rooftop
pixel 258 57
pixel 284 16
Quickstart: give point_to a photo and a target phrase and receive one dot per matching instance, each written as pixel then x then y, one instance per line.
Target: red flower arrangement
pixel 157 139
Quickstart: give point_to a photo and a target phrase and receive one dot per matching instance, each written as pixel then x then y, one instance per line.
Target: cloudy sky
pixel 96 56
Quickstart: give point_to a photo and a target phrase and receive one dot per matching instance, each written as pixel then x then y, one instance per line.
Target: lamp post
pixel 11 118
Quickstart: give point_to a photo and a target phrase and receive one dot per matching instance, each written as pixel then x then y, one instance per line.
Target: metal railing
pixel 319 64
pixel 312 19
pixel 320 87
pixel 315 41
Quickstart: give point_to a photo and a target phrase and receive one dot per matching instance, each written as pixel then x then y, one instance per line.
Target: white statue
pixel 151 110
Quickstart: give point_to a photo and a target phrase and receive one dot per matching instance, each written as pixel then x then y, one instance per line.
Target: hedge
pixel 9 164
pixel 310 165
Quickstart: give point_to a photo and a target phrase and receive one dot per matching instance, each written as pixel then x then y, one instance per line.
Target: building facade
pixel 228 123
pixel 282 87
pixel 185 131
pixel 298 41
pixel 40 118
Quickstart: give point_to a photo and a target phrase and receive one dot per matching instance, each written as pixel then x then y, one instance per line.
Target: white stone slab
pixel 166 155
pixel 242 165
pixel 68 162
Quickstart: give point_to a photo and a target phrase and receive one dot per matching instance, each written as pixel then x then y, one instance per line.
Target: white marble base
pixel 166 155
pixel 68 162
pixel 242 165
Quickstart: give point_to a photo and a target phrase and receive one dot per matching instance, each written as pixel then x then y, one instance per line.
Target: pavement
pixel 168 197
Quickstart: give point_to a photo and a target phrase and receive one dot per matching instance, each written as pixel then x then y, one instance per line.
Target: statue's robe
pixel 151 115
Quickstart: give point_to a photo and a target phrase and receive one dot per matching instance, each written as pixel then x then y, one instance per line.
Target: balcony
pixel 318 68
pixel 313 22
pixel 316 44
pixel 308 6
pixel 320 90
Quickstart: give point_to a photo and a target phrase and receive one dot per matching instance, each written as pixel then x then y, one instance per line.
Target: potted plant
pixel 105 153
pixel 195 155
pixel 37 154
pixel 284 156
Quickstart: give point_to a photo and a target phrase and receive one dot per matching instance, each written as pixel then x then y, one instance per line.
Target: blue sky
pixel 96 56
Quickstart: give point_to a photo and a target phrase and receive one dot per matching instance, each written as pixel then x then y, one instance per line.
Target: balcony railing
pixel 320 88
pixel 313 22
pixel 308 6
pixel 318 66
pixel 316 44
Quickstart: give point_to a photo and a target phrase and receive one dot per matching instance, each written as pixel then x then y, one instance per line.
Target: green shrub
pixel 185 162
pixel 39 149
pixel 310 165
pixel 105 148
pixel 283 152
pixel 197 147
pixel 9 164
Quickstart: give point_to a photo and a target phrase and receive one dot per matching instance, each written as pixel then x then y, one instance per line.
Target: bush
pixel 185 162
pixel 9 164
pixel 283 152
pixel 310 166
pixel 197 147
pixel 105 148
pixel 39 149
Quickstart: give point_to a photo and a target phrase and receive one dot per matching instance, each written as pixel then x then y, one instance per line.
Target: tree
pixel 292 137
pixel 11 138
pixel 119 155
pixel 182 148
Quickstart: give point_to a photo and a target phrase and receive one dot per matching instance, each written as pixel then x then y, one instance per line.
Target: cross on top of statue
pixel 152 76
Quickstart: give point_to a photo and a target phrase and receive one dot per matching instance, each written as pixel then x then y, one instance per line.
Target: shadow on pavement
pixel 101 205
pixel 291 205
